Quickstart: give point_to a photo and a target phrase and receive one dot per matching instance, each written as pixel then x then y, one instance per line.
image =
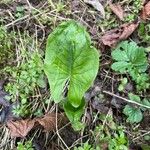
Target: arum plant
pixel 71 63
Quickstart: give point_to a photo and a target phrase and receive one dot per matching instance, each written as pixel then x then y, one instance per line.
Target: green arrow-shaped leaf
pixel 71 59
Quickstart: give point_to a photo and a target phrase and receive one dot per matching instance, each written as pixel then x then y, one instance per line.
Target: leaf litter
pixel 117 10
pixel 112 37
pixel 21 128
pixel 146 11
pixel 97 5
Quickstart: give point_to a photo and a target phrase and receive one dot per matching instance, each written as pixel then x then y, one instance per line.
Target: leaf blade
pixel 68 57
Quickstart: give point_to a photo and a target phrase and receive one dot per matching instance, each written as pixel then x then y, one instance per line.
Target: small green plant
pixel 132 59
pixel 86 146
pixel 107 135
pixel 19 11
pixel 135 8
pixel 71 65
pixel 143 32
pixel 6 45
pixel 123 83
pixel 26 78
pixel 110 135
pixel 135 113
pixel 109 22
pixel 25 146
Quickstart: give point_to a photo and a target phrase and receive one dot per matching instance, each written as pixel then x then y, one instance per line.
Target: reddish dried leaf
pixel 48 121
pixel 146 11
pixel 117 10
pixel 20 128
pixel 128 29
pixel 104 146
pixel 112 37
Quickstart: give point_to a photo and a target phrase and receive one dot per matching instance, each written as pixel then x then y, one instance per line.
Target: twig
pixel 141 135
pixel 57 131
pixel 1 146
pixel 17 20
pixel 127 100
pixel 76 142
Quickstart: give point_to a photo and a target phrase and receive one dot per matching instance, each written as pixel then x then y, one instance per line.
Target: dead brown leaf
pixel 21 128
pixel 117 10
pixel 128 29
pixel 146 11
pixel 112 37
pixel 49 121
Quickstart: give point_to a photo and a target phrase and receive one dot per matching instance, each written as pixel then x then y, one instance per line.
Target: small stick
pixel 1 146
pixel 57 131
pixel 147 133
pixel 127 100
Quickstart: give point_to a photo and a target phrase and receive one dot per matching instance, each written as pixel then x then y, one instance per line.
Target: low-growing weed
pixel 123 84
pixel 132 59
pixel 19 11
pixel 6 46
pixel 107 135
pixel 135 113
pixel 110 134
pixel 144 32
pixel 135 7
pixel 25 146
pixel 25 78
pixel 85 146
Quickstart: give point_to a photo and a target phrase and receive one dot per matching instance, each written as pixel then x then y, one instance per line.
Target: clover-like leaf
pixel 70 61
pixel 129 56
pixel 134 114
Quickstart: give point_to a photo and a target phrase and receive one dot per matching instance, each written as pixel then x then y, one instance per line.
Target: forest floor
pixel 116 116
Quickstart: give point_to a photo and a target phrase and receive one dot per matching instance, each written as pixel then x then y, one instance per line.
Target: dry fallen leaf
pixel 128 29
pixel 112 37
pixel 146 11
pixel 49 121
pixel 20 128
pixel 97 5
pixel 117 10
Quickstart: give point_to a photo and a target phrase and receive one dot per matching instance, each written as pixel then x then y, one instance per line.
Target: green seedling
pixel 110 134
pixel 123 84
pixel 71 64
pixel 132 59
pixel 6 46
pixel 136 6
pixel 26 78
pixel 24 146
pixel 143 32
pixel 86 146
pixel 135 114
pixel 19 11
